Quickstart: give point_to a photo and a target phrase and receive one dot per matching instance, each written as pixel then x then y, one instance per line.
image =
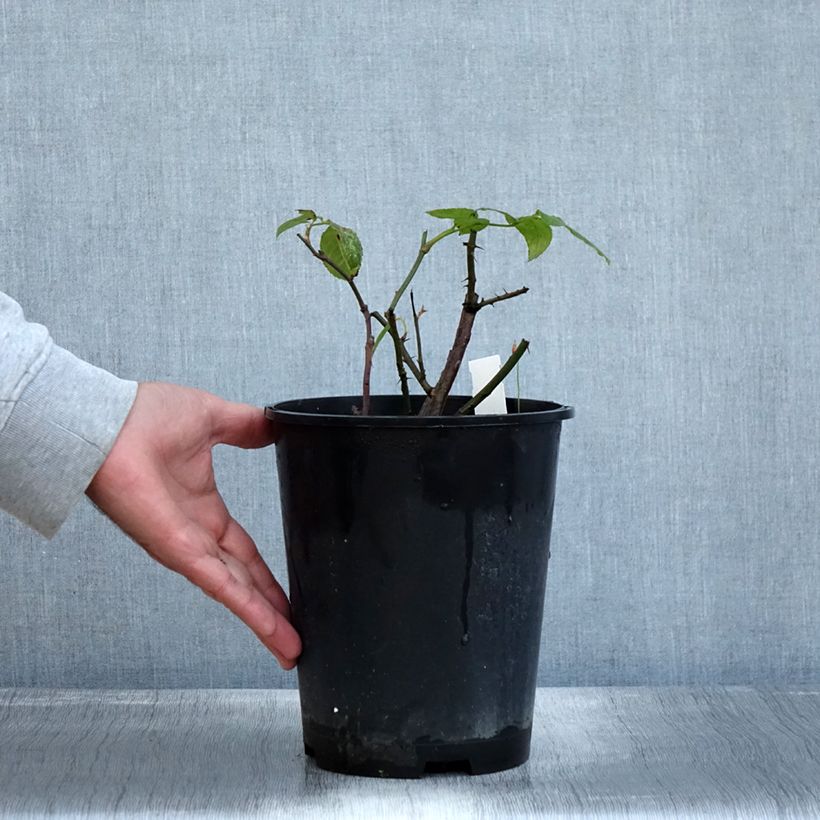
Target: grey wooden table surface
pixel 722 752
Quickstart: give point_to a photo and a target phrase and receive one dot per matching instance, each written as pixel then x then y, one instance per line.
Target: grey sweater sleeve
pixel 59 418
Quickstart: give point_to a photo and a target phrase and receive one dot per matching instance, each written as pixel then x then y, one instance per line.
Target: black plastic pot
pixel 417 559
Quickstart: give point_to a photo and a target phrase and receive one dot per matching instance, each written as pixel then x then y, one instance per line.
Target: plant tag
pixel 482 370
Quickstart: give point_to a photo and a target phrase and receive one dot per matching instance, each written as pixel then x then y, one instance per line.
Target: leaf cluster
pixel 340 251
pixel 536 228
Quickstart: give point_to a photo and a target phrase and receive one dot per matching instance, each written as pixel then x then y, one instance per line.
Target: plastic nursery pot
pixel 417 560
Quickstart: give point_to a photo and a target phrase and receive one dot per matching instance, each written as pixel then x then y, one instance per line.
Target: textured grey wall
pixel 147 149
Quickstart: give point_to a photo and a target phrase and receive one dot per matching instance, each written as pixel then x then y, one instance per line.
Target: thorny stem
pixel 419 354
pixel 434 403
pixel 495 380
pixel 368 344
pixel 424 249
pixel 439 237
pixel 402 355
pixel 472 298
pixel 397 344
pixel 487 302
pixel 405 355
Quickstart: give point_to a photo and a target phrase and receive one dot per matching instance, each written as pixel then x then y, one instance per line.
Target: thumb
pixel 242 425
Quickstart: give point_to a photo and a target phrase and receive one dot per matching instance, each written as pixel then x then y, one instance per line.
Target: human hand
pixel 157 484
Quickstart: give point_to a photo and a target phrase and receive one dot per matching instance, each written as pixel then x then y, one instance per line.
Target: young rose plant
pixel 340 251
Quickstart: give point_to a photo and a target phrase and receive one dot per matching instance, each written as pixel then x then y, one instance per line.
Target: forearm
pixel 59 418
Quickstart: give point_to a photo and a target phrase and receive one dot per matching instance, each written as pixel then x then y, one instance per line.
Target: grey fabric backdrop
pixel 147 149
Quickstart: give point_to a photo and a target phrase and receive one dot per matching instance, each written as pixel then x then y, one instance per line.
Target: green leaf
pixel 511 220
pixel 474 223
pixel 465 219
pixel 557 221
pixel 342 247
pixel 587 242
pixel 536 232
pixel 553 221
pixel 453 213
pixel 304 216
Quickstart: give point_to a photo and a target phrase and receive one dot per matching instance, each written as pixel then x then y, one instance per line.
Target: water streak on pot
pixel 469 529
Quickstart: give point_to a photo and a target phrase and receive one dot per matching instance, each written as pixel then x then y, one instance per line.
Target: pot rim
pixel 308 411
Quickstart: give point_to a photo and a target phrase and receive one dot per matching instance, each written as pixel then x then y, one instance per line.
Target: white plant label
pixel 482 370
